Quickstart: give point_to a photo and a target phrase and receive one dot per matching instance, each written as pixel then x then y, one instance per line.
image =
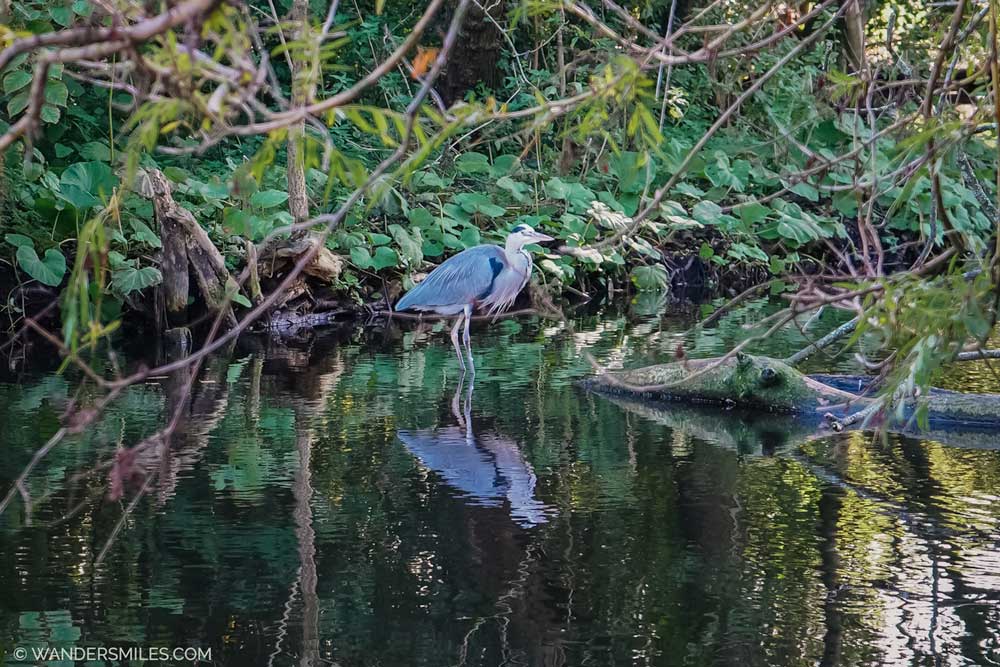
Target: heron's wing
pixel 464 278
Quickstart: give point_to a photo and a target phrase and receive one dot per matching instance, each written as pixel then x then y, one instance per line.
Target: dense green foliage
pixel 818 170
pixel 478 187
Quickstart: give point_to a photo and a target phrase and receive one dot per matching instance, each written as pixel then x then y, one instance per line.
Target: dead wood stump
pixel 187 251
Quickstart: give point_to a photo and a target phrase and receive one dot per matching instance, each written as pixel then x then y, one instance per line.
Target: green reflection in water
pixel 292 522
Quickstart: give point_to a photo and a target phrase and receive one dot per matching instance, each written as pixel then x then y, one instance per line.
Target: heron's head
pixel 522 235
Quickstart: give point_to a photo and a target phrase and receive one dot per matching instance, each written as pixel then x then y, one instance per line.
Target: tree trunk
pixel 476 57
pixel 276 255
pixel 303 90
pixel 854 35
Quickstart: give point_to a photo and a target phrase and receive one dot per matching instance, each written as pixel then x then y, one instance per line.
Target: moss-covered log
pixel 771 385
pixel 757 382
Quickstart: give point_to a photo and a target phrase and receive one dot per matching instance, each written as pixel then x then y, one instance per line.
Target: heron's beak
pixel 541 238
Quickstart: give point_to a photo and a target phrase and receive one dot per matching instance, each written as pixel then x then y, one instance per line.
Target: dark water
pixel 331 503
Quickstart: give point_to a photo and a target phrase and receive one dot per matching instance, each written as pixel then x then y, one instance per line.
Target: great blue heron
pixel 485 276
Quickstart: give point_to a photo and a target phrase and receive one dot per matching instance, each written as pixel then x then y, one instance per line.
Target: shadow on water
pixel 332 503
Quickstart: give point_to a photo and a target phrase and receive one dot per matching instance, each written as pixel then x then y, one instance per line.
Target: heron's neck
pixel 519 258
pixel 514 246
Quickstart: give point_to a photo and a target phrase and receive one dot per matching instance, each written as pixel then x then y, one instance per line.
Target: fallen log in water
pixel 770 385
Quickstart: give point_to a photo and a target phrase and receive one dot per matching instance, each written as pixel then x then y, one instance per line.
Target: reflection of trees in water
pixel 300 527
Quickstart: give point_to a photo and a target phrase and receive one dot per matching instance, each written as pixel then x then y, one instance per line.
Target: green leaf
pixel 236 221
pixel 806 191
pixel 473 163
pixel 504 164
pixel 18 240
pixel 56 93
pixel 519 191
pixel 551 267
pixel 18 103
pixel 421 217
pixel 50 114
pixel 268 198
pixel 175 174
pixel 62 150
pixel 744 251
pixel 144 233
pixel 432 248
pixel 752 212
pixel 846 201
pixel 410 243
pixel 475 202
pixel 707 213
pixel 85 184
pixel 98 150
pixel 242 300
pixel 470 237
pixel 724 175
pixel 427 179
pixel 360 257
pixel 131 279
pixel 61 15
pixel 384 258
pixel 690 190
pixel 379 239
pixel 15 81
pixel 49 271
pixel 650 278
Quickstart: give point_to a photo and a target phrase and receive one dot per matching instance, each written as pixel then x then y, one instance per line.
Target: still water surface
pixel 332 502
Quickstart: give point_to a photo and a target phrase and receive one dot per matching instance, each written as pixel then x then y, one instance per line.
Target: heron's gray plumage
pixel 487 277
pixel 468 277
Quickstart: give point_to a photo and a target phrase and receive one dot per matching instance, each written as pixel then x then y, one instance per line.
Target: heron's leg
pixel 456 402
pixel 468 342
pixel 454 341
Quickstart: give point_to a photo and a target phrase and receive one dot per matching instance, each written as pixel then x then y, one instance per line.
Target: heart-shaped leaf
pixel 49 271
pixel 131 279
pixel 85 184
pixel 18 240
pixel 144 233
pixel 473 163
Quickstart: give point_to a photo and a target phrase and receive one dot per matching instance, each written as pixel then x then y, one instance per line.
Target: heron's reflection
pixel 485 466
